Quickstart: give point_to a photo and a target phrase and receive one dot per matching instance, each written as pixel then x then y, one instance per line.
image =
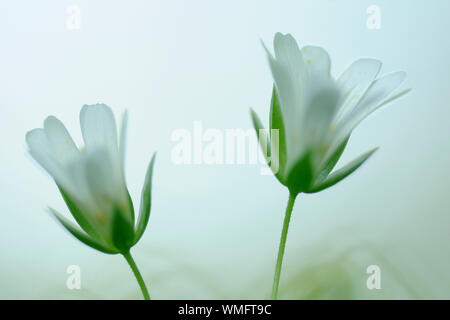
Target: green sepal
pixel 276 122
pixel 301 175
pixel 80 235
pixel 332 161
pixel 146 197
pixel 259 128
pixel 77 214
pixel 342 173
pixel 122 231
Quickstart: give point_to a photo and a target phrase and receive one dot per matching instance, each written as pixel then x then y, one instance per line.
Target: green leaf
pixel 301 175
pixel 276 122
pixel 259 128
pixel 80 235
pixel 146 197
pixel 342 173
pixel 333 160
pixel 122 231
pixel 78 215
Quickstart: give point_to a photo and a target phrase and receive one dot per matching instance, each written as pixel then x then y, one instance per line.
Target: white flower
pixel 91 179
pixel 316 114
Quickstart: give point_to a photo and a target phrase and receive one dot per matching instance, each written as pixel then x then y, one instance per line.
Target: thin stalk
pixel 284 232
pixel 137 274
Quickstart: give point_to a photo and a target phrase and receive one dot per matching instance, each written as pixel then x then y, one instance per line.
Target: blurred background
pixel 214 229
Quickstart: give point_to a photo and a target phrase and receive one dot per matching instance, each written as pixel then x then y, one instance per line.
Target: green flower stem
pixel 284 232
pixel 137 274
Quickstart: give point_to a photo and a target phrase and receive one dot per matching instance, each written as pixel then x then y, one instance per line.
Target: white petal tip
pixel 368 65
pixel 280 38
pixel 397 77
pixel 51 120
pixel 34 137
pixel 96 105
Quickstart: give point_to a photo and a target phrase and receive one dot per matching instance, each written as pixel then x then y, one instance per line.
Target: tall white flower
pixel 91 179
pixel 316 114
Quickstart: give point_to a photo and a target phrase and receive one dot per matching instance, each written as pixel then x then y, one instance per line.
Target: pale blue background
pixel 214 230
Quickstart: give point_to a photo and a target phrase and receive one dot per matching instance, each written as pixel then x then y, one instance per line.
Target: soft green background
pixel 214 230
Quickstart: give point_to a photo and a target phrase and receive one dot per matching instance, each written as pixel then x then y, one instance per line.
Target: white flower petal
pixel 393 97
pixel 288 54
pixel 376 96
pixel 105 181
pixel 289 73
pixel 98 127
pixel 354 83
pixel 102 152
pixel 41 150
pixel 60 140
pixel 100 176
pixel 380 90
pixel 37 140
pixel 322 101
pixel 316 59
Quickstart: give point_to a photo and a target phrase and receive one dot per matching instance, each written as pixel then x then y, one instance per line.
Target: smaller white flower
pixel 91 179
pixel 316 114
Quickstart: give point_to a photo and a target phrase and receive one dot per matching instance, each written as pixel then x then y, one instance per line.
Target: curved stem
pixel 137 274
pixel 284 232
